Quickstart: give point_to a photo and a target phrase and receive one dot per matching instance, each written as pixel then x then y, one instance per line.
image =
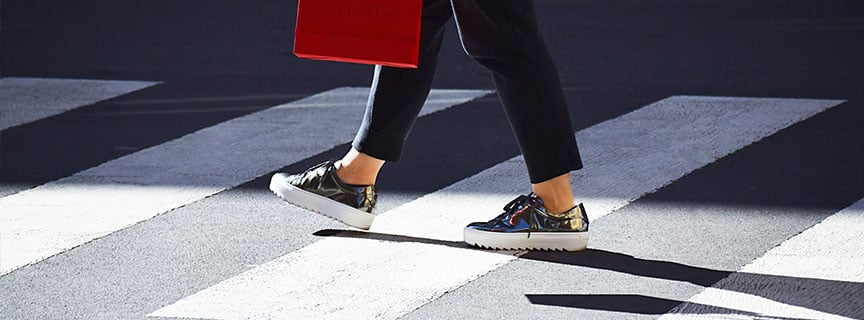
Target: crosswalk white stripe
pixel 24 100
pixel 830 250
pixel 626 157
pixel 49 219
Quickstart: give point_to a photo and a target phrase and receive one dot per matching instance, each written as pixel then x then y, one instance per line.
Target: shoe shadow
pixel 619 262
pixel 591 258
pixel 841 298
pixel 356 234
pixel 639 304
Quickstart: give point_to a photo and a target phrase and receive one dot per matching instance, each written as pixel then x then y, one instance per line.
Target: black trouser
pixel 501 35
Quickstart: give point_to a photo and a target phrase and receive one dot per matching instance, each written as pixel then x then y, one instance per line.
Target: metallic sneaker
pixel 320 190
pixel 526 225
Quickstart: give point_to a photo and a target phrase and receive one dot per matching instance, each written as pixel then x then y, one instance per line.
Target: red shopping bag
pixel 385 32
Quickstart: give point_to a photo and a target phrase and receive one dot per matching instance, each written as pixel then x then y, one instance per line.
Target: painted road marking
pixel 820 267
pixel 626 157
pixel 24 100
pixel 57 216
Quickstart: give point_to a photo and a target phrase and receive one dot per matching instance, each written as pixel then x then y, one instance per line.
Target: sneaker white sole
pixel 553 241
pixel 313 202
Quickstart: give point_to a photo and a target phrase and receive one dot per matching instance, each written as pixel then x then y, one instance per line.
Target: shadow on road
pixel 835 297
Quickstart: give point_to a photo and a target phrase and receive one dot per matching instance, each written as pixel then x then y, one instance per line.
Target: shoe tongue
pixel 536 199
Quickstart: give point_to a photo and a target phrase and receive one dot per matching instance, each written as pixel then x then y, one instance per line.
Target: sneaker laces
pixel 518 203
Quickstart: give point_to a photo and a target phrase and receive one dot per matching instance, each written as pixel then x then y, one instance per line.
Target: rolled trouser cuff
pixel 548 166
pixel 384 147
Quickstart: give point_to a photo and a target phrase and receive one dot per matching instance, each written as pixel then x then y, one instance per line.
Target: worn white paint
pixel 626 157
pixel 52 218
pixel 831 251
pixel 24 100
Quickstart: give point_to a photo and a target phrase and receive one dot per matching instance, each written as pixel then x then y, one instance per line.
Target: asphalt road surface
pixel 722 139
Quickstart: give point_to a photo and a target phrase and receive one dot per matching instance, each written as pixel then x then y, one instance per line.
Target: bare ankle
pixel 556 194
pixel 558 207
pixel 357 168
pixel 353 177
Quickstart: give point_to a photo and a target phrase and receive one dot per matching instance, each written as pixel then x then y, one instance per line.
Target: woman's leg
pixel 503 36
pixel 395 100
pixel 345 190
